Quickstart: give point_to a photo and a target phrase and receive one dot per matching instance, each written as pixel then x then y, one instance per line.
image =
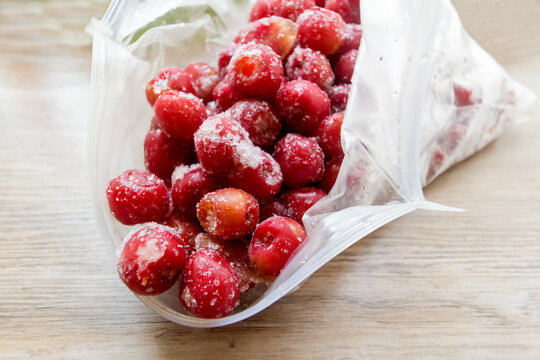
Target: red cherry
pixel 273 242
pixel 151 259
pixel 331 171
pixel 303 105
pixel 300 158
pixel 298 201
pixel 321 29
pixel 190 184
pixel 168 79
pixel 345 67
pixel 260 9
pixel 329 135
pixel 257 173
pixel 228 213
pixel 162 153
pixel 353 37
pixel 224 58
pixel 256 71
pixel 209 287
pixel 186 229
pixel 138 196
pixel 219 142
pixel 259 120
pixel 204 79
pixel 236 252
pixel 292 204
pixel 310 65
pixel 348 9
pixel 339 96
pixel 179 114
pixel 276 32
pixel 289 9
pixel 223 95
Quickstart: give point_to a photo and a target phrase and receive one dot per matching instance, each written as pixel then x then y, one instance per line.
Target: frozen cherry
pixel 190 184
pixel 179 114
pixel 257 173
pixel 331 171
pixel 228 213
pixel 204 78
pixel 162 153
pixel 186 229
pixel 274 206
pixel 310 65
pixel 348 9
pixel 276 32
pixel 223 95
pixel 300 158
pixel 255 71
pixel 298 201
pixel 209 287
pixel 353 37
pixel 217 143
pixel 223 148
pixel 168 79
pixel 273 242
pixel 339 96
pixel 329 135
pixel 138 196
pixel 224 58
pixel 151 259
pixel 259 120
pixel 260 9
pixel 321 29
pixel 236 252
pixel 303 105
pixel 345 67
pixel 289 9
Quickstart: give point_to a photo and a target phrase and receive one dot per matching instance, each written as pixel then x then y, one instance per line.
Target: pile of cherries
pixel 236 155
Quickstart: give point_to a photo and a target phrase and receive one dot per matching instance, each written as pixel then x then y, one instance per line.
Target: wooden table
pixel 430 285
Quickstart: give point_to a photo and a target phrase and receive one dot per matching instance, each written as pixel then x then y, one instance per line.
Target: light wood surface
pixel 428 286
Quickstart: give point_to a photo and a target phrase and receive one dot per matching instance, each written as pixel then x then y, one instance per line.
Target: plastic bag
pixel 424 96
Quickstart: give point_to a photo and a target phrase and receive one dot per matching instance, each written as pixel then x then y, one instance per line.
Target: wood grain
pixel 428 286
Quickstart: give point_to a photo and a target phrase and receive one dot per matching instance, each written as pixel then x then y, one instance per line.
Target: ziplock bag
pixel 424 96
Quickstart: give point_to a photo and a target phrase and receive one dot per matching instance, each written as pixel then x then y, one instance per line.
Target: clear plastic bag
pixel 424 96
